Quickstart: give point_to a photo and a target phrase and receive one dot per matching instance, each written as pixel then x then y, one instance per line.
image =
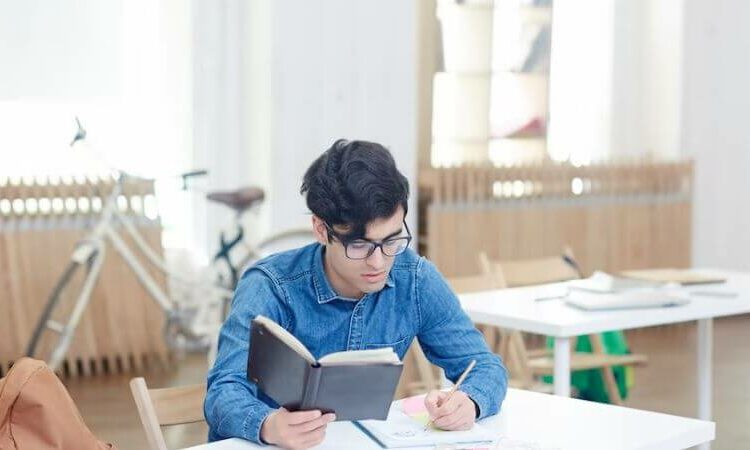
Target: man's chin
pixel 375 287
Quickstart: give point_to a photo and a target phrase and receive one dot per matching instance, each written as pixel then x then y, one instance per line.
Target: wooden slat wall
pixel 621 216
pixel 122 327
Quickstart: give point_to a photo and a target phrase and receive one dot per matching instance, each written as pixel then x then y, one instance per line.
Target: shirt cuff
pixel 476 408
pixel 479 398
pixel 253 423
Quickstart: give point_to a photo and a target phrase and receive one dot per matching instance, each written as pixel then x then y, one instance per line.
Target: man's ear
pixel 319 230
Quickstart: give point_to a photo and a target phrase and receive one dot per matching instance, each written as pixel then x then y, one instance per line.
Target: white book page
pixel 405 427
pixel 353 357
pixel 286 337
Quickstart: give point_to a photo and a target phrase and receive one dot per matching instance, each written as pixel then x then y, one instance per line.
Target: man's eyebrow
pixel 394 234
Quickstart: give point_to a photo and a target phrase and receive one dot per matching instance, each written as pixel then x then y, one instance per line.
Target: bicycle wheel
pixel 65 331
pixel 277 242
pixel 52 301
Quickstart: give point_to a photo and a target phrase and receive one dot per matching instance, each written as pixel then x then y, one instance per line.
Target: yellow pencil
pixel 455 387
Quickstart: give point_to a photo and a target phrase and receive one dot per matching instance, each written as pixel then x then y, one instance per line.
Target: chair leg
pixel 521 358
pixel 490 335
pixel 608 375
pixel 424 368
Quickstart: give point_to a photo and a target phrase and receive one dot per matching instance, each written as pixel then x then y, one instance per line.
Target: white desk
pixel 517 309
pixel 551 422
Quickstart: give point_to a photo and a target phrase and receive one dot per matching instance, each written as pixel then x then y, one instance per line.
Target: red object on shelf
pixel 535 127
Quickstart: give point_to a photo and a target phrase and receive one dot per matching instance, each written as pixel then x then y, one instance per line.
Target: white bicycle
pixel 193 316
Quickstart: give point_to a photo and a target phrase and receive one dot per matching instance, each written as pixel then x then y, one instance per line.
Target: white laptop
pixel 642 298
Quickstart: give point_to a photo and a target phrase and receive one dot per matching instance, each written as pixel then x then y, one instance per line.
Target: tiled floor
pixel 667 384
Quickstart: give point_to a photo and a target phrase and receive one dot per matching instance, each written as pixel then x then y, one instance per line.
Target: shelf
pixel 527 138
pixel 536 14
pixel 503 152
pixel 499 74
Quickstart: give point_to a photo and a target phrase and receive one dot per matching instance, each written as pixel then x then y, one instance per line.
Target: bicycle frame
pixel 91 251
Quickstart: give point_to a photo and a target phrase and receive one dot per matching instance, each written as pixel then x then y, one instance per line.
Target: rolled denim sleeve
pixel 450 340
pixel 233 405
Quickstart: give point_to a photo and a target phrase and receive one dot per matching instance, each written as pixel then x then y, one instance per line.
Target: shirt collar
pixel 323 289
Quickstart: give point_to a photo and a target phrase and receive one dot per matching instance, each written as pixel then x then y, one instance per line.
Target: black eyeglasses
pixel 363 248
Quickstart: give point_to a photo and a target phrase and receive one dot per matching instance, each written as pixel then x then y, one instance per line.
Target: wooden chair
pixel 420 375
pixel 526 365
pixel 475 283
pixel 167 406
pixel 500 340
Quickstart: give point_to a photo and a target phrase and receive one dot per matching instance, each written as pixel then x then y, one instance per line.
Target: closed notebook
pixel 357 384
pixel 605 283
pixel 682 276
pixel 654 298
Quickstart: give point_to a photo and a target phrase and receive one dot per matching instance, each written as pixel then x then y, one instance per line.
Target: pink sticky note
pixel 412 406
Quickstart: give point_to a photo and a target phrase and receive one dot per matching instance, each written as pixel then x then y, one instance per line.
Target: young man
pixel 358 287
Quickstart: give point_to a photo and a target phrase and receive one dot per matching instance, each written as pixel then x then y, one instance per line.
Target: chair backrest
pixel 526 272
pixel 474 283
pixel 419 375
pixel 166 406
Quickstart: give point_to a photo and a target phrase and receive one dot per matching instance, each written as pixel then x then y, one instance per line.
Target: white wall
pixel 220 114
pixel 329 69
pixel 715 129
pixel 616 79
pixel 646 86
pixel 63 51
pixel 581 98
pixel 278 81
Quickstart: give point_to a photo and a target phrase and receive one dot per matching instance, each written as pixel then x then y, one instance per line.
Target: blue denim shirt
pixel 291 288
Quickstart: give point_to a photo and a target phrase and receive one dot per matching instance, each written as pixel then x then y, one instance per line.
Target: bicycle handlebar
pixel 193 174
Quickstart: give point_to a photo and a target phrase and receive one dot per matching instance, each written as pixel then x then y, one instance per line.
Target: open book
pixel 355 384
pixel 406 426
pixel 381 355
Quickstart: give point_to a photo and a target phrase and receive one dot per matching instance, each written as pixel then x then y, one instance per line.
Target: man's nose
pixel 377 259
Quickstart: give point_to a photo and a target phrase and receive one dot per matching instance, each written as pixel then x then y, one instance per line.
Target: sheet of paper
pixel 405 427
pixel 415 408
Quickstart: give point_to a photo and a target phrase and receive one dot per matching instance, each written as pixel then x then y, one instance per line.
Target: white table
pixel 551 422
pixel 518 309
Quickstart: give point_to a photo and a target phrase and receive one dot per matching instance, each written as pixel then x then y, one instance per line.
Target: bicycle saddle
pixel 240 199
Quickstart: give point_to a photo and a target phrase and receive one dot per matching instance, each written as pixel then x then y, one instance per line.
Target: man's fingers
pixel 455 419
pixel 447 422
pixel 298 417
pixel 313 438
pixel 449 406
pixel 433 400
pixel 314 424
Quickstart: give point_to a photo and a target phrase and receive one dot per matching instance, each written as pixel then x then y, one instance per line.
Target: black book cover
pixel 353 392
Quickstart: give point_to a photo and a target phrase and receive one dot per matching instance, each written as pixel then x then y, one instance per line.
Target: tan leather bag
pixel 37 413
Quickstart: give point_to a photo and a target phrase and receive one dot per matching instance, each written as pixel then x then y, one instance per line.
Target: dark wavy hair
pixel 353 183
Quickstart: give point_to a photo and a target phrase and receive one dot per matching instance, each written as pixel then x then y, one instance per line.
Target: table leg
pixel 562 366
pixel 705 368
